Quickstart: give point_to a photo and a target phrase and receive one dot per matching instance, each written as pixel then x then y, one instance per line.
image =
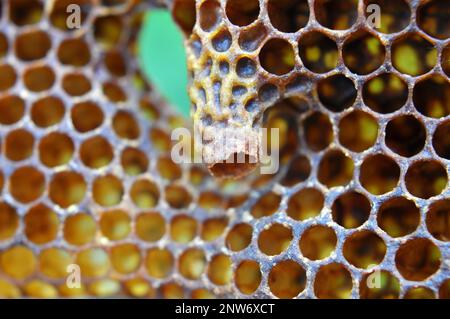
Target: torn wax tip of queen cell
pixel 229 152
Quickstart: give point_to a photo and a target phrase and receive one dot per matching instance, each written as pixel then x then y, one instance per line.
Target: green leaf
pixel 163 58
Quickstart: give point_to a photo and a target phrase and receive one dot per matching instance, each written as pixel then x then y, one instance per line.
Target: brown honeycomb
pixel 87 178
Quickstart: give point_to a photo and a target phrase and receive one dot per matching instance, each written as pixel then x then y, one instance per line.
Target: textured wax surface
pixel 362 193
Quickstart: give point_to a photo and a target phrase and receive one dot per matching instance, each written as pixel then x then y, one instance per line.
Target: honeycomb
pixel 364 117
